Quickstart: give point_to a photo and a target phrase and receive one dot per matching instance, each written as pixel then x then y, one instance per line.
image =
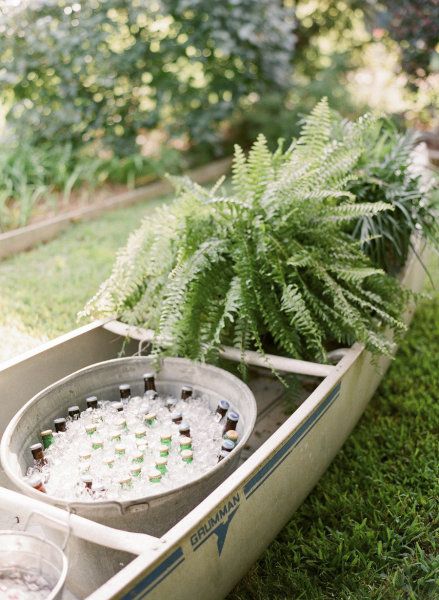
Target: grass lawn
pixel 369 529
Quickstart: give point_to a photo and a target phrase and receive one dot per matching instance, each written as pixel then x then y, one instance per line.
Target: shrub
pixel 103 69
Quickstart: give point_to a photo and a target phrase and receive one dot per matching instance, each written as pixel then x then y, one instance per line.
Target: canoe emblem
pixel 218 524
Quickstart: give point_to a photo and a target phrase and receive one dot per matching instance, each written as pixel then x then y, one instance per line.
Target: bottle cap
pixel 90 429
pixel 140 433
pixel 97 444
pixel 85 455
pixel 119 449
pixel 115 436
pixel 232 416
pixel 109 461
pixel 166 435
pixel 176 415
pixel 224 405
pixel 150 416
pixel 228 445
pixel 149 375
pixel 161 461
pixel 164 450
pixel 124 387
pixel 184 426
pixel 87 481
pixel 136 471
pixel 46 432
pixel 73 408
pixel 137 457
pixel 155 474
pixel 185 440
pixel 36 447
pixel 231 435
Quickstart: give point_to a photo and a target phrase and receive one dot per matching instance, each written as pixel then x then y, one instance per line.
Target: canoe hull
pixel 212 547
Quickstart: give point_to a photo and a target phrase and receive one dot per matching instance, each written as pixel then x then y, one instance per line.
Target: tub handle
pixel 59 524
pixel 137 505
pixel 78 508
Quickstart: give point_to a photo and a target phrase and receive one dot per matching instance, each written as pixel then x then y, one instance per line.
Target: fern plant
pixel 266 262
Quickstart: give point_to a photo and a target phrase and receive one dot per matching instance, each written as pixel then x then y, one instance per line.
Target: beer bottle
pixel 232 421
pixel 164 451
pixel 115 436
pixel 140 433
pixel 154 476
pixel 97 444
pixel 91 402
pixel 125 391
pixel 150 418
pixel 161 465
pixel 166 438
pixel 187 456
pixel 87 482
pixel 170 403
pixel 227 445
pixel 60 425
pixel 221 410
pixel 38 454
pixel 136 471
pixel 137 457
pixel 37 483
pixel 185 429
pixel 125 482
pixel 47 437
pixel 149 381
pixel 186 392
pixel 176 417
pixel 185 443
pixel 120 450
pixel 73 412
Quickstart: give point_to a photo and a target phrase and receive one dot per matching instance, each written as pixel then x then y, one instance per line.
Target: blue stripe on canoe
pixel 165 568
pixel 270 466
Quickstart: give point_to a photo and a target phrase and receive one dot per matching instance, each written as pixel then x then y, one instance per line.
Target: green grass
pixel 369 529
pixel 42 290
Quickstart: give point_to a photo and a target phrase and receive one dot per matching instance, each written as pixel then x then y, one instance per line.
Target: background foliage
pixel 115 79
pixel 104 69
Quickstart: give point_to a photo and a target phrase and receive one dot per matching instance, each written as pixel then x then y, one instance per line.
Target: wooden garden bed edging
pixel 27 237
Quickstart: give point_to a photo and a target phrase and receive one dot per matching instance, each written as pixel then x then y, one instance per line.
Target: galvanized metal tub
pixel 155 513
pixel 33 555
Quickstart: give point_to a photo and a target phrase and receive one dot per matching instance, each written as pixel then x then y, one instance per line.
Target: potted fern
pixel 273 260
